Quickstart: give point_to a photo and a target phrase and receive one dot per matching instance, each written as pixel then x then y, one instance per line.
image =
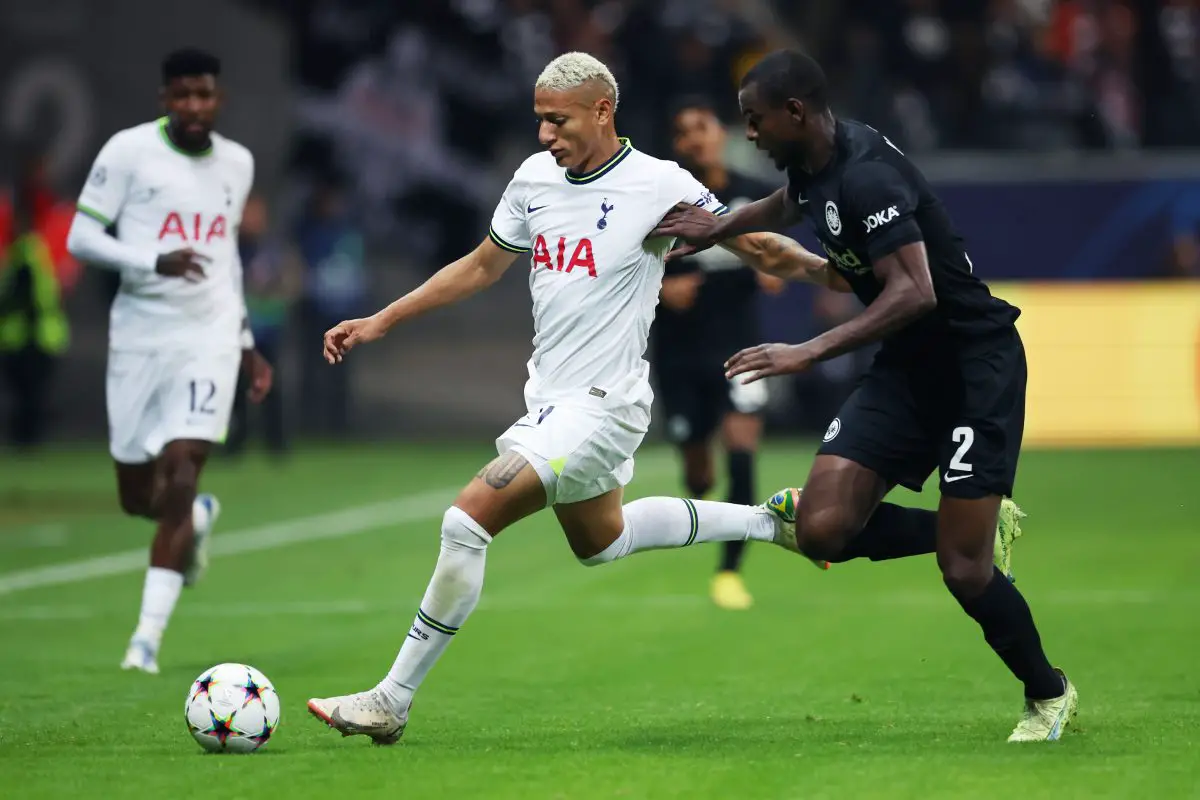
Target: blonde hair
pixel 572 70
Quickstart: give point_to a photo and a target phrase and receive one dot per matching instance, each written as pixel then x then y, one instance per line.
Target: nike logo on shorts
pixel 531 209
pixel 948 478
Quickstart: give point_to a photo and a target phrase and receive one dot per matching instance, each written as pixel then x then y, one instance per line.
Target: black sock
pixel 731 556
pixel 1009 628
pixel 741 491
pixel 894 532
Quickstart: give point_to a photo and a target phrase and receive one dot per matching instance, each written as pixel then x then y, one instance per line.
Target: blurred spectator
pixel 51 217
pixel 34 332
pixel 923 56
pixel 273 281
pixel 1094 40
pixel 389 128
pixel 527 36
pixel 1168 42
pixel 1032 97
pixel 335 288
pixel 859 82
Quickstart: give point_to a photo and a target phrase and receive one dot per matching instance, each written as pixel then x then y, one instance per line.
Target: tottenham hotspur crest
pixel 832 219
pixel 602 223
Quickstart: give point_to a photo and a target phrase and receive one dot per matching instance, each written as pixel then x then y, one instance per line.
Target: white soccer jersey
pixel 594 275
pixel 160 199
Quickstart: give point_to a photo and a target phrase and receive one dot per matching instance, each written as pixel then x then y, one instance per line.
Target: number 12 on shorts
pixel 201 393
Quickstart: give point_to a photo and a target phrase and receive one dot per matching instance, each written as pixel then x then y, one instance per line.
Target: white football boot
pixel 1045 720
pixel 363 714
pixel 141 656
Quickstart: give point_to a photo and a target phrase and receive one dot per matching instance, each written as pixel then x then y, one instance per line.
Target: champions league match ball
pixel 232 708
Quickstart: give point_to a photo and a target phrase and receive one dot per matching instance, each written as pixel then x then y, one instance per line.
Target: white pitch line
pixel 333 525
pixel 303 608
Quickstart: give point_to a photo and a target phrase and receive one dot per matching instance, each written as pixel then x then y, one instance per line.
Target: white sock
pixel 658 523
pixel 159 594
pixel 453 592
pixel 201 519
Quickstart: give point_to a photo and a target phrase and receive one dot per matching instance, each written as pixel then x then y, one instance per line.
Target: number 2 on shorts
pixel 967 437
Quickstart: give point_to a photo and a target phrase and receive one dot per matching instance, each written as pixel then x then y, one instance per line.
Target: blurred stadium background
pixel 1057 132
pixel 1064 135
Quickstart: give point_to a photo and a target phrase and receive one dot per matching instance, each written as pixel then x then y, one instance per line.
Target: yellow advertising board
pixel 1110 363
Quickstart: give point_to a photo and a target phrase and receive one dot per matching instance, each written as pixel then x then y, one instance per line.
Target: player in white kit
pixel 580 213
pixel 174 191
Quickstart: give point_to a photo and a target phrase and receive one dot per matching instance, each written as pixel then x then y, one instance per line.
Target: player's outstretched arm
pixel 773 213
pixel 773 254
pixel 907 294
pixel 475 271
pixel 700 229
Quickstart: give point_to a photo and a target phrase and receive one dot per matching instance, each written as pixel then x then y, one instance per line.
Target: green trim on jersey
pixel 162 132
pixel 603 169
pixel 94 214
pixel 503 245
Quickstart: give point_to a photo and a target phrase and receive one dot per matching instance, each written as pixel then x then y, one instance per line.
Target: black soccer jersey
pixel 870 200
pixel 724 318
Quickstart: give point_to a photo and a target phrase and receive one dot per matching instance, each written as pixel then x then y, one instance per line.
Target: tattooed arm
pixel 472 273
pixel 785 258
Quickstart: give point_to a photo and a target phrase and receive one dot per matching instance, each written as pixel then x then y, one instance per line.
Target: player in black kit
pixel 945 391
pixel 707 311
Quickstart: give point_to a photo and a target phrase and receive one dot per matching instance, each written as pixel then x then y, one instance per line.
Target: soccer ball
pixel 232 708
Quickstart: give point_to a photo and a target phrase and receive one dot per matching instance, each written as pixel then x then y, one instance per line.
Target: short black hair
pixel 692 102
pixel 786 74
pixel 189 62
pixel 689 102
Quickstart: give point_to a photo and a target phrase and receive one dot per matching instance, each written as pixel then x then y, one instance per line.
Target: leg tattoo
pixel 502 469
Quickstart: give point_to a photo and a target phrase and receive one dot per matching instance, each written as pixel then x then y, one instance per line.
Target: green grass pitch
pixel 616 682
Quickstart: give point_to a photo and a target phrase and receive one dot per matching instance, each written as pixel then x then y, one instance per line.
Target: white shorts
pixel 580 450
pixel 158 397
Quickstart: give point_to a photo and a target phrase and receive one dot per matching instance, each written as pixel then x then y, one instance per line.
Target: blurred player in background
pixel 174 191
pixel 945 392
pixel 709 311
pixel 579 213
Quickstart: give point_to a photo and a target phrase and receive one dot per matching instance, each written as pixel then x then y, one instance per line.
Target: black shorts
pixel 696 397
pixel 963 414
